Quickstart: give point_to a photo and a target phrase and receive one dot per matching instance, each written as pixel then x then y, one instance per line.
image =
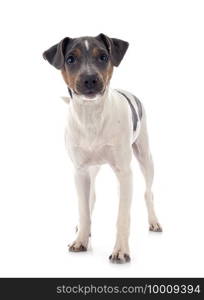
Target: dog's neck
pixel 88 113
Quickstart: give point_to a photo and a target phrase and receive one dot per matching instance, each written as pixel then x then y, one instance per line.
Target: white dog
pixel 103 126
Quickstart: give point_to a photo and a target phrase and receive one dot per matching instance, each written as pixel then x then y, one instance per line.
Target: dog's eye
pixel 70 59
pixel 103 58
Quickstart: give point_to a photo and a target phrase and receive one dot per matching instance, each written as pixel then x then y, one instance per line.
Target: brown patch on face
pixel 77 52
pixel 68 78
pixel 96 51
pixel 107 74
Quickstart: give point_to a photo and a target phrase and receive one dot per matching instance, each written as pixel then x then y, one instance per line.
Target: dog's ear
pixel 115 47
pixel 55 54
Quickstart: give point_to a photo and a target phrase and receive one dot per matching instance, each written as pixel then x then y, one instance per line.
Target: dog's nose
pixel 90 81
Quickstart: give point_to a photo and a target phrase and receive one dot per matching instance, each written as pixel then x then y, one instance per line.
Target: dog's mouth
pixel 90 95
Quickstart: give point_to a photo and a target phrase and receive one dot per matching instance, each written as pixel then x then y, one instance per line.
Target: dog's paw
pixel 77 247
pixel 119 257
pixel 155 227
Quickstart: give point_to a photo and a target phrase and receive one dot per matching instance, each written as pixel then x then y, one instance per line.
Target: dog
pixel 104 125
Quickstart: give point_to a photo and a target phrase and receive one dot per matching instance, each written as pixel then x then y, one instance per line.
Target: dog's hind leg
pixel 144 157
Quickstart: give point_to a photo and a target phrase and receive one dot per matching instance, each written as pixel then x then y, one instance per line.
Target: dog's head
pixel 87 63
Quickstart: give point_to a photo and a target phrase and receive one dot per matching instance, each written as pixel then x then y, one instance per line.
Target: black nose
pixel 90 81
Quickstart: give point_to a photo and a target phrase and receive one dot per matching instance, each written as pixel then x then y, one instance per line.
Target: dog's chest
pixel 99 137
pixel 86 157
pixel 90 148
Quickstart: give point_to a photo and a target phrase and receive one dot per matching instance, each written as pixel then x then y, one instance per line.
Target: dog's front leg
pixel 121 250
pixel 83 182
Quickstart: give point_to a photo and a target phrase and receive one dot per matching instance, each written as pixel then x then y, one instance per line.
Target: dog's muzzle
pixel 89 85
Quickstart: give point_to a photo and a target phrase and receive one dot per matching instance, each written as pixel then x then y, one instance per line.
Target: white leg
pixel 92 198
pixel 142 153
pixel 121 250
pixel 93 171
pixel 83 182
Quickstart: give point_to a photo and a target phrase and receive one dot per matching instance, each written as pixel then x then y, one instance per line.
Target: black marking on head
pixel 115 48
pixel 86 57
pixel 134 114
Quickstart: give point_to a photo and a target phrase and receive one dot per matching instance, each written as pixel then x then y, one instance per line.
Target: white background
pixel 164 67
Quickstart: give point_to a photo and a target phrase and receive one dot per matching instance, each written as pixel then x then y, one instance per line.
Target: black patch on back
pixel 139 105
pixel 134 114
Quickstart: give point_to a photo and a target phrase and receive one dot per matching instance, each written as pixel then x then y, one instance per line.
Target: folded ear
pixel 55 54
pixel 115 47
